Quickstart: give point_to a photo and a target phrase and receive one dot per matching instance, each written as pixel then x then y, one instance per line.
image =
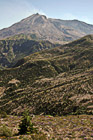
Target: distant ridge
pixel 16 47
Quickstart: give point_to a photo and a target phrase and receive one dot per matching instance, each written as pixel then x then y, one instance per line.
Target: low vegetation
pixel 56 87
pixel 5 131
pixel 58 81
pixel 51 128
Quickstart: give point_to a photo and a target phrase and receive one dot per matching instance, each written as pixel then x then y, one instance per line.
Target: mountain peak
pixel 35 18
pixel 37 14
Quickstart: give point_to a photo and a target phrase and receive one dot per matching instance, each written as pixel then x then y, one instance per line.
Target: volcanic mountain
pixel 44 28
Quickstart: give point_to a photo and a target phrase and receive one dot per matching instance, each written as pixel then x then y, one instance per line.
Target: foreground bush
pixel 5 131
pixel 3 114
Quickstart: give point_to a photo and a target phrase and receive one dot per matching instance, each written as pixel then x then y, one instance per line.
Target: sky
pixel 12 11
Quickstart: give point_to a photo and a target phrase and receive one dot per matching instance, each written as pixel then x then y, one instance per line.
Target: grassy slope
pixel 78 127
pixel 57 81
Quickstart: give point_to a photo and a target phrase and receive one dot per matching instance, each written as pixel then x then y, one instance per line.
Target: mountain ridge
pixel 14 48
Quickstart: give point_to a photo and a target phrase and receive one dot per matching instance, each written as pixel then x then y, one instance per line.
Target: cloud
pixel 16 10
pixel 26 7
pixel 69 16
pixel 85 19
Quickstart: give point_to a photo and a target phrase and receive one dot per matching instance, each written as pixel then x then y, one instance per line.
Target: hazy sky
pixel 12 11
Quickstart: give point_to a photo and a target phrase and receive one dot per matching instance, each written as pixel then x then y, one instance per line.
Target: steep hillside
pixel 57 81
pixel 14 48
pixel 54 30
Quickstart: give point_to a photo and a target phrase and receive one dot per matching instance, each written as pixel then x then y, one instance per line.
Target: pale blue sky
pixel 12 11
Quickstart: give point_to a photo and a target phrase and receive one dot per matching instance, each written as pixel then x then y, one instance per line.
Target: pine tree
pixel 26 126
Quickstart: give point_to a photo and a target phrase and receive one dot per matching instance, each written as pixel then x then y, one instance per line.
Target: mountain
pixel 58 81
pixel 44 28
pixel 14 48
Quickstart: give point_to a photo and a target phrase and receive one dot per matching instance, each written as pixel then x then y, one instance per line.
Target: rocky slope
pixel 56 81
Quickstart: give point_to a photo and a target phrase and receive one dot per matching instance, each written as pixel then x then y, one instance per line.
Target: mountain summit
pixel 44 28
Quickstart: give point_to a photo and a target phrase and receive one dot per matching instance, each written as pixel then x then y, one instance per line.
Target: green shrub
pixel 39 137
pixel 26 126
pixel 5 131
pixel 3 114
